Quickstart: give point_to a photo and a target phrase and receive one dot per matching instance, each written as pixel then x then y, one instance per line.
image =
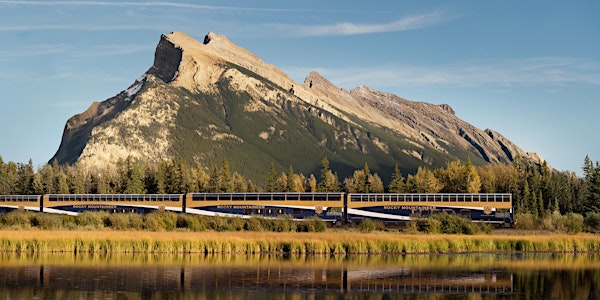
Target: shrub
pixel 117 221
pixel 320 225
pixel 429 225
pixel 154 222
pixel 187 222
pixel 253 224
pixel 18 219
pixel 573 223
pixel 525 221
pixel 368 225
pixel 48 221
pixel 285 224
pixel 592 222
pixel 455 224
pixel 91 220
pixel 236 223
pixel 136 221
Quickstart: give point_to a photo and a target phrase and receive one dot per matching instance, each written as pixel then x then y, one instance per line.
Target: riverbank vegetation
pixel 170 221
pixel 543 198
pixel 76 241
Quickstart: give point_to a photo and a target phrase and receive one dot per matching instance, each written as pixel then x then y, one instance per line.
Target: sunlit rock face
pixel 211 100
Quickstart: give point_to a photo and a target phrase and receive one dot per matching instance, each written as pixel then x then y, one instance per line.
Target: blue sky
pixel 527 69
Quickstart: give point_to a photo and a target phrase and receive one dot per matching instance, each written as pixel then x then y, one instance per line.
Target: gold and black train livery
pixel 331 207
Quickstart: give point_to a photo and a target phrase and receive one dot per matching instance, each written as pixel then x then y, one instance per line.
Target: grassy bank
pixel 289 242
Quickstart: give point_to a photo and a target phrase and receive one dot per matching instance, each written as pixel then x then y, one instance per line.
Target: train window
pixel 197 197
pixel 280 211
pixel 269 211
pixel 379 198
pixel 437 198
pixel 265 197
pixel 247 211
pixel 506 198
pixel 252 197
pixel 334 197
pixel 465 213
pixel 279 197
pixel 297 211
pixel 212 197
pixel 320 197
pixel 237 197
pixel 306 197
pixel 292 196
pixel 258 211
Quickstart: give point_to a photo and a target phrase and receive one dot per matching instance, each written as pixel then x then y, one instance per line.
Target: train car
pixel 10 203
pixel 399 208
pixel 114 203
pixel 327 206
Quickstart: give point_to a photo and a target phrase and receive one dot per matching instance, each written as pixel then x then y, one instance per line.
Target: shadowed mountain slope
pixel 213 100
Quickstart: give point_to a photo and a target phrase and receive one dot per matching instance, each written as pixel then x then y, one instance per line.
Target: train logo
pixel 487 210
pixel 318 209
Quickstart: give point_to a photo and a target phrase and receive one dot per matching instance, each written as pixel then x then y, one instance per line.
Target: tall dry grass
pixel 35 241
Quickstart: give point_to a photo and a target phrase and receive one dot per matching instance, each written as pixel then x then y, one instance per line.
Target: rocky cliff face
pixel 213 100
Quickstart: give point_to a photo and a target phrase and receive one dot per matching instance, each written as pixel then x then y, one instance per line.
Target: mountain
pixel 213 100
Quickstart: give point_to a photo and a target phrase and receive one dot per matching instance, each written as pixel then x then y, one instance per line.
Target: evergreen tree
pixel 376 184
pixel 424 181
pixel 472 182
pixel 397 183
pixel 271 179
pixel 592 201
pixel 281 183
pixel 135 178
pixel 239 183
pixel 25 175
pixel 214 184
pixel 356 183
pixel 311 184
pixel 225 178
pixel 9 178
pixel 329 180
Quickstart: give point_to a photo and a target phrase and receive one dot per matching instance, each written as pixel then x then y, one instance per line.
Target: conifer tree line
pixel 537 189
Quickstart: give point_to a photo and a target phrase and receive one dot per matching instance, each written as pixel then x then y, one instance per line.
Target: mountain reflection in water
pixel 522 276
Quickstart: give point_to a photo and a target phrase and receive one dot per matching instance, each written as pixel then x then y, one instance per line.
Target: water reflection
pixel 134 276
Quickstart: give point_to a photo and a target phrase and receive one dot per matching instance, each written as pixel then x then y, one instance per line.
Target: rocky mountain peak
pixel 199 100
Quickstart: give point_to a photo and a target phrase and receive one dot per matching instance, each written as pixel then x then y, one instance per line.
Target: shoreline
pixel 243 242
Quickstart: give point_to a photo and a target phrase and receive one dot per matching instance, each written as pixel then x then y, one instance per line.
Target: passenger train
pixel 331 207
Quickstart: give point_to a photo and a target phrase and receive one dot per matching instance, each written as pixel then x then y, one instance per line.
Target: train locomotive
pixel 331 207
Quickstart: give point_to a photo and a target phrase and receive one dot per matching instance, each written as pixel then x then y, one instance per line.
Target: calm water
pixel 472 276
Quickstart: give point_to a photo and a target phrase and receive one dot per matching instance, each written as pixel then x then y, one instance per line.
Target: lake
pixel 199 276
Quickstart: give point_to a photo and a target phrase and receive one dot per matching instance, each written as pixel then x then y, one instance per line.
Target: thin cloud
pixel 555 72
pixel 408 23
pixel 162 4
pixel 36 50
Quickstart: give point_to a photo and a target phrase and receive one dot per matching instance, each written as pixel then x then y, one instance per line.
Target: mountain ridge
pixel 241 101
